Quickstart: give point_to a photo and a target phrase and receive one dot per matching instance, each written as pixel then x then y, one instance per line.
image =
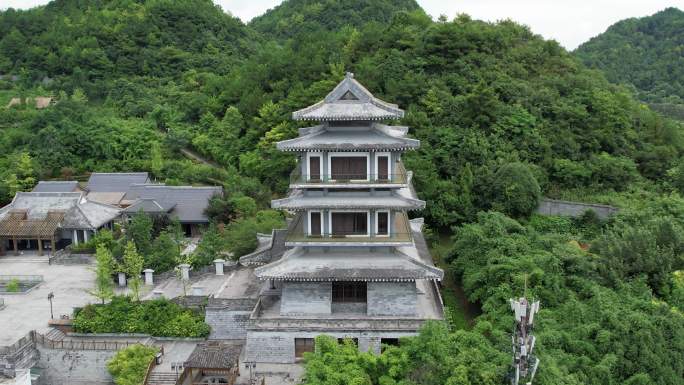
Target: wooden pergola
pixel 16 226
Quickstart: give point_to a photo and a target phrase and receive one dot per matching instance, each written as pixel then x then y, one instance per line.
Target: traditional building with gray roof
pixel 351 264
pixel 185 203
pixel 57 186
pixel 51 220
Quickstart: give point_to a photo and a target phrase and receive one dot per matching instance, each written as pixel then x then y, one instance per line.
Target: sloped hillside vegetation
pixel 645 53
pixel 504 117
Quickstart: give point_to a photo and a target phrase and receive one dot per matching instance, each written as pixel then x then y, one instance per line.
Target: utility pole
pixel 525 363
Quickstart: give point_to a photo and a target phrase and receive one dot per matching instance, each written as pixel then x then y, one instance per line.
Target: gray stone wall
pixel 20 355
pixel 306 298
pixel 74 367
pixel 392 298
pixel 227 324
pixel 574 209
pixel 278 347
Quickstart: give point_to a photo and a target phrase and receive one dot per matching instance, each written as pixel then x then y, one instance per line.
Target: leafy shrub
pixel 12 286
pixel 159 317
pixel 129 365
pixel 614 172
pixel 515 190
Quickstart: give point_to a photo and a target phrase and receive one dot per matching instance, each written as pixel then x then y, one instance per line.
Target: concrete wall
pixel 392 298
pixel 227 324
pixel 573 209
pixel 20 355
pixel 278 347
pixel 306 298
pixel 74 367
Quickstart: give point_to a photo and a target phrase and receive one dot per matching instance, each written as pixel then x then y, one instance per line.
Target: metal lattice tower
pixel 525 363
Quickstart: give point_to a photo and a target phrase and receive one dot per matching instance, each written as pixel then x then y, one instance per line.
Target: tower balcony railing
pixel 400 232
pixel 399 176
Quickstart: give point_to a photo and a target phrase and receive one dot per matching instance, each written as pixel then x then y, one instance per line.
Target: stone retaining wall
pixel 574 209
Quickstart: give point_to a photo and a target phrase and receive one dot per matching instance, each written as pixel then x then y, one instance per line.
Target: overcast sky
pixel 571 22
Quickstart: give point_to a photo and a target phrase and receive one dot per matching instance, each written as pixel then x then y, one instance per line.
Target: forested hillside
pixel 504 117
pixel 644 52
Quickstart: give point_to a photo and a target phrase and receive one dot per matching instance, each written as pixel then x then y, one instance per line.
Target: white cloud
pixel 571 22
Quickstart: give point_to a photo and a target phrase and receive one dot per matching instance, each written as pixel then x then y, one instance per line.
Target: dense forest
pixel 504 117
pixel 645 53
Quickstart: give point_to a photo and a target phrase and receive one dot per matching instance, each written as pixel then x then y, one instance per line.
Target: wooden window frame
pixel 300 350
pixel 342 154
pixel 389 225
pixel 319 212
pixel 389 165
pixel 310 155
pixel 368 226
pixel 354 287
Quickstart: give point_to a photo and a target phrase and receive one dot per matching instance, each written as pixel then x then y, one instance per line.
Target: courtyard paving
pixel 29 311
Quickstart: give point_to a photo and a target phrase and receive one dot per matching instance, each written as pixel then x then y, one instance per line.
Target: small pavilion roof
pixel 401 199
pixel 349 100
pixel 214 355
pixel 56 186
pixel 302 264
pixel 376 137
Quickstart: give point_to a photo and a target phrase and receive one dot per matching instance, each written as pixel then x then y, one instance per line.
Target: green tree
pixel 514 190
pixel 139 231
pixel 104 287
pixel 129 365
pixel 133 265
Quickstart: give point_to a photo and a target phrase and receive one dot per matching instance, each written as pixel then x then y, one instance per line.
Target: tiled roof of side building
pixel 214 355
pixel 349 100
pixel 115 181
pixel 187 203
pixel 79 213
pixel 56 186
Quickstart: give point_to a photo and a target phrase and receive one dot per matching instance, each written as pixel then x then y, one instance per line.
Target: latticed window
pixel 349 292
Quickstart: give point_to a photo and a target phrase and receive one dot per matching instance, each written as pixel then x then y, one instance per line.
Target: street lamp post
pixel 50 297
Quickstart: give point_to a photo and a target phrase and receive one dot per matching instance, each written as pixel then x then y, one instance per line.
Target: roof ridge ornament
pixel 349 100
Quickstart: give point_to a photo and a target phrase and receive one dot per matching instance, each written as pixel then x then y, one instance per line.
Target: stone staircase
pixel 55 335
pixel 157 378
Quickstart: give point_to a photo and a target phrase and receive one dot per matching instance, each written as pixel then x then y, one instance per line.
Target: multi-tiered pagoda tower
pixel 356 266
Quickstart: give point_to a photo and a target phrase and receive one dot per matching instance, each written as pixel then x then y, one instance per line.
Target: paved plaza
pixel 29 311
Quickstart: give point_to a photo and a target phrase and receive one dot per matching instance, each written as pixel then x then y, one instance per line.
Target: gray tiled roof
pixel 187 203
pixel 214 355
pixel 147 206
pixel 303 264
pixel 376 137
pixel 349 100
pixel 298 201
pixel 115 181
pixel 56 186
pixel 79 212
